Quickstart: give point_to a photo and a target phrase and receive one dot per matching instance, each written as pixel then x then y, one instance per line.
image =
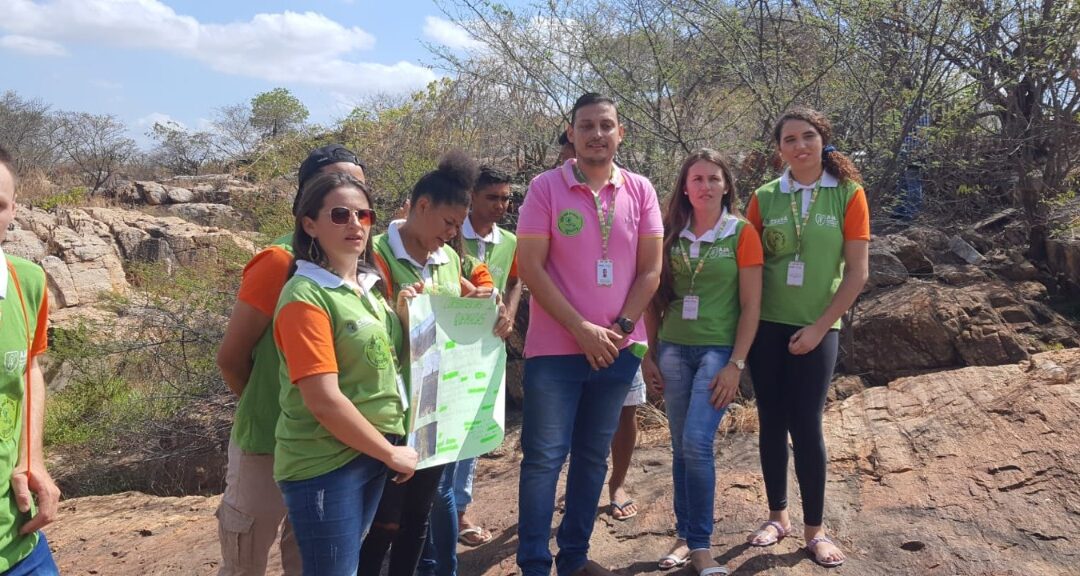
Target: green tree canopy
pixel 277 112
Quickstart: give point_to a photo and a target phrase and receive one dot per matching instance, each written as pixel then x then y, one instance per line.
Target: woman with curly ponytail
pixel 815 230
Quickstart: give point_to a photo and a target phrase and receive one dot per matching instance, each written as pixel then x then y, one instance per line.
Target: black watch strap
pixel 625 324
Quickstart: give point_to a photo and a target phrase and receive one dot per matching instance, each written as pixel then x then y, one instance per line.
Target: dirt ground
pixel 974 472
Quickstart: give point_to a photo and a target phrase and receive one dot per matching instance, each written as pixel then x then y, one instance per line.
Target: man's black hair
pixel 489 175
pixel 588 99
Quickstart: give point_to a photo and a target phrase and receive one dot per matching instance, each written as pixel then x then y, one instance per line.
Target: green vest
pixel 13 349
pixel 257 410
pixel 445 278
pixel 822 252
pixel 367 341
pixel 717 289
pixel 498 257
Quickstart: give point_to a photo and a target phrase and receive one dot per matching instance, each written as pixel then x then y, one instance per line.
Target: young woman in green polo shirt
pixel 815 229
pixel 416 252
pixel 342 407
pixel 703 317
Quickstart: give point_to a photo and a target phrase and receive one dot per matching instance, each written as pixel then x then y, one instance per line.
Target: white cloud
pixel 152 118
pixel 449 34
pixel 32 46
pixel 289 47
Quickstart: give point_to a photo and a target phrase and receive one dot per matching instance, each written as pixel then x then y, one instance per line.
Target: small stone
pixel 913 546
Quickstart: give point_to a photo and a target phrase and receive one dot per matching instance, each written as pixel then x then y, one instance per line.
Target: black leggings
pixel 790 393
pixel 400 524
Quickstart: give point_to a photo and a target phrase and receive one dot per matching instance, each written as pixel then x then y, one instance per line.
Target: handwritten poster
pixel 456 376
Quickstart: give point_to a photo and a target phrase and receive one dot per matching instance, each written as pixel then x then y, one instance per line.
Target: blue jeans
pixel 463 481
pixel 688 372
pixel 440 548
pixel 331 513
pixel 569 408
pixel 38 563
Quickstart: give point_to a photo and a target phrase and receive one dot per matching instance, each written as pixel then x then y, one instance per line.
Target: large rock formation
pixel 84 251
pixel 927 307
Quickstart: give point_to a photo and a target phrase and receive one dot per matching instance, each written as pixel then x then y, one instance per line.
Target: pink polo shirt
pixel 563 210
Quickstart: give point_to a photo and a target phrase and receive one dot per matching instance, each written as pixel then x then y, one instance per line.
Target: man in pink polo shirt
pixel 589 248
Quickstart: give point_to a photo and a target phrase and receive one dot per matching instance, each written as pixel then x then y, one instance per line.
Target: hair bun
pixel 460 169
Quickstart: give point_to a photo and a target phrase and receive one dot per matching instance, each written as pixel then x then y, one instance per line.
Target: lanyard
pixel 606 217
pixel 686 259
pixel 795 211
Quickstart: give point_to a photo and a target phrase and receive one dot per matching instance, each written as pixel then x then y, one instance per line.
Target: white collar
pixel 328 280
pixel 467 230
pixel 725 226
pixel 827 181
pixel 393 234
pixel 3 274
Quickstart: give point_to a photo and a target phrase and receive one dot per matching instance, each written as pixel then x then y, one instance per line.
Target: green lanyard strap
pixel 606 217
pixel 795 212
pixel 686 260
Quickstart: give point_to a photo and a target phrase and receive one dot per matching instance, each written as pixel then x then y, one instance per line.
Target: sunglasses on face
pixel 341 215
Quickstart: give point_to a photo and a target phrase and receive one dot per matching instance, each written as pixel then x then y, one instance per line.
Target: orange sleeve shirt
pixel 307 344
pixel 749 252
pixel 857 217
pixel 263 278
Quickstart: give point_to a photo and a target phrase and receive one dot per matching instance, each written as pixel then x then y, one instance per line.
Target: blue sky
pixel 150 60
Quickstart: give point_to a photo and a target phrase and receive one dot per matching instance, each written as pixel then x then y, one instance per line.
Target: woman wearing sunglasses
pixel 342 414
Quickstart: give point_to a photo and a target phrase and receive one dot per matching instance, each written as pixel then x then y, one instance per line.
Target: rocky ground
pixel 968 472
pixel 951 445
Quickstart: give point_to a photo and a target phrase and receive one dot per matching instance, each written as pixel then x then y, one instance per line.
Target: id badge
pixel 401 392
pixel 605 272
pixel 795 273
pixel 689 307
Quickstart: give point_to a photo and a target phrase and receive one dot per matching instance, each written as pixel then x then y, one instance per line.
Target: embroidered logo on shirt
pixel 570 222
pixel 777 221
pixel 826 220
pixel 377 351
pixel 775 240
pixel 720 252
pixel 9 412
pixel 15 361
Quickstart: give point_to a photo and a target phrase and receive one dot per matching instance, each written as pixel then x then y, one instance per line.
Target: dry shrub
pixel 34 187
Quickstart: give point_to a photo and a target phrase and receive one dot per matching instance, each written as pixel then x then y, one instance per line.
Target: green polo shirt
pixel 445 278
pixel 324 328
pixel 828 224
pixel 257 410
pixel 733 245
pixel 15 326
pixel 499 256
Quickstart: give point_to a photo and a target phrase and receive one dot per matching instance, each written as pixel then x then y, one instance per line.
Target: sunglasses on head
pixel 341 215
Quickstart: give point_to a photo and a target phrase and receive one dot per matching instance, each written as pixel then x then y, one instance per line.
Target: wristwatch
pixel 625 324
pixel 740 364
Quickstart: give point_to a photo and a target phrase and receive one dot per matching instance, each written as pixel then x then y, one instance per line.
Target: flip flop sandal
pixel 673 561
pixel 781 533
pixel 711 570
pixel 622 510
pixel 478 531
pixel 812 545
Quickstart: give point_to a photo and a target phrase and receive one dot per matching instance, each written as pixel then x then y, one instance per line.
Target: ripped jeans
pixel 331 513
